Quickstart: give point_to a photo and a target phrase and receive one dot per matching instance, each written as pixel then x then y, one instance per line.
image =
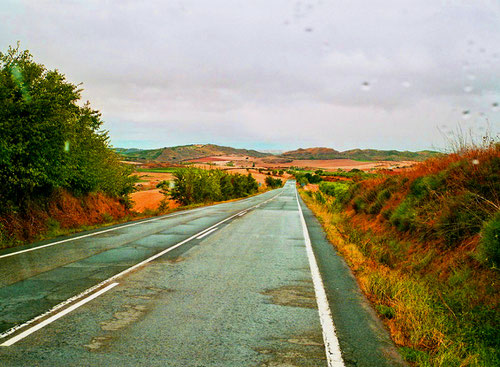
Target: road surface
pixel 247 283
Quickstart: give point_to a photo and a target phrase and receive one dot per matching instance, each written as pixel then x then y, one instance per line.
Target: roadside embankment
pixel 424 246
pixel 60 214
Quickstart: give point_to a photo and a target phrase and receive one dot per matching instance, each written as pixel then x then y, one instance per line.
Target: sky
pixel 273 74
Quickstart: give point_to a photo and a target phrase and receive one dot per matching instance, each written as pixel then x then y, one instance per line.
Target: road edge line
pixel 112 278
pixel 332 347
pixel 53 318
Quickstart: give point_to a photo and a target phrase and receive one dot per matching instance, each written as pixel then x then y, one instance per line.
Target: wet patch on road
pixel 293 295
pixel 299 350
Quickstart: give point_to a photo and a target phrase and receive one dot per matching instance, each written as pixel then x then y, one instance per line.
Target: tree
pixel 49 141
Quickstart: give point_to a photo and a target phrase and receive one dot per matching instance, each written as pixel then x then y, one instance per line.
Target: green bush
pixel 404 216
pixel 334 189
pixel 273 183
pixel 462 218
pixel 490 240
pixel 359 204
pixel 195 185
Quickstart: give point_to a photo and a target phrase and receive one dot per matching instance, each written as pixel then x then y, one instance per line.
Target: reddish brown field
pixel 149 200
pixel 326 164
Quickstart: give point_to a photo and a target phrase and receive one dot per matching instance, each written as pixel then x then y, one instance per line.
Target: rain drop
pixel 406 84
pixel 365 86
pixel 468 89
pixel 466 114
pixel 494 106
pixel 471 77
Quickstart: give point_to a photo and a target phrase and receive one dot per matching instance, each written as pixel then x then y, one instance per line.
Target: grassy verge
pixel 424 244
pixel 433 321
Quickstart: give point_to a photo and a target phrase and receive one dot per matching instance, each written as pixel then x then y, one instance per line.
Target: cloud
pixel 381 74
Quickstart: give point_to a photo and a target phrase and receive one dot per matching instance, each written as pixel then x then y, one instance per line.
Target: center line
pixel 207 233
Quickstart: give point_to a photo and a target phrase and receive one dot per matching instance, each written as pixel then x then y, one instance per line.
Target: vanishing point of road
pixel 247 283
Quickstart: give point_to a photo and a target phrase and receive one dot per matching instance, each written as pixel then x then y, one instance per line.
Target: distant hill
pixel 313 153
pixel 359 154
pixel 188 152
pixel 185 153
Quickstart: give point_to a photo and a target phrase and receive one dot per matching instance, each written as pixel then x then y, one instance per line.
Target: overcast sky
pixel 272 74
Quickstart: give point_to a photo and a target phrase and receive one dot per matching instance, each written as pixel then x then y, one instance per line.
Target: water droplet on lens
pixel 406 84
pixel 468 89
pixel 471 77
pixel 494 106
pixel 365 86
pixel 466 114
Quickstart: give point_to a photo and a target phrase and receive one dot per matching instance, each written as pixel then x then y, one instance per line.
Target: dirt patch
pixel 293 295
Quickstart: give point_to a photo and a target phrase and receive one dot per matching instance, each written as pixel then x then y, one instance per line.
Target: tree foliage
pixel 48 140
pixel 194 185
pixel 273 183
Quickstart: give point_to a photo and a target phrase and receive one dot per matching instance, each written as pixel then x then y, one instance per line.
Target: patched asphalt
pixel 241 296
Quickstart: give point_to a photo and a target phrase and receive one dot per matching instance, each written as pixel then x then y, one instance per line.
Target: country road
pixel 245 283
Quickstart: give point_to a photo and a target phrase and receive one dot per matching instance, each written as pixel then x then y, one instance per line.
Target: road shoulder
pixel 363 339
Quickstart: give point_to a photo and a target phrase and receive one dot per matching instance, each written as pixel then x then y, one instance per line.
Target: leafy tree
pixel 49 141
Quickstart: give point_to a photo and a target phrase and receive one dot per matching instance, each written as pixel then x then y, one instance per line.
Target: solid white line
pixel 111 229
pixel 206 233
pixel 332 348
pixel 242 214
pixel 97 233
pixel 91 289
pixel 51 319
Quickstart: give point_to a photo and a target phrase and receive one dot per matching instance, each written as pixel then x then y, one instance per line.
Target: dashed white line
pixel 51 319
pixel 101 284
pixel 97 233
pixel 332 348
pixel 206 233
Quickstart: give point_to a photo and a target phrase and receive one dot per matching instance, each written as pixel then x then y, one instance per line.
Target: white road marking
pixel 109 230
pixel 206 233
pixel 332 348
pixel 97 233
pixel 51 319
pixel 91 289
pixel 242 214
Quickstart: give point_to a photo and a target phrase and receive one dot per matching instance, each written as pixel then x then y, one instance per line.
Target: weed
pixel 490 241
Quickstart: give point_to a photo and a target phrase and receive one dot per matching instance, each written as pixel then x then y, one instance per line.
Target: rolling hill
pixel 194 151
pixel 185 152
pixel 360 154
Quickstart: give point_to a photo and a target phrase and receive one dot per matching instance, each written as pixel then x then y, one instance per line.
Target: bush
pixel 273 183
pixel 195 185
pixel 404 216
pixel 490 240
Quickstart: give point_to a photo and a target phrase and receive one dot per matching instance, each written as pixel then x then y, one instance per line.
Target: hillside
pixel 313 153
pixel 359 154
pixel 424 245
pixel 185 152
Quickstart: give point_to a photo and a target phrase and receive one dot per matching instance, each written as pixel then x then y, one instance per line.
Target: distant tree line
pixel 48 140
pixel 195 185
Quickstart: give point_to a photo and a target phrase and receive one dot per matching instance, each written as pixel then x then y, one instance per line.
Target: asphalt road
pixel 235 284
